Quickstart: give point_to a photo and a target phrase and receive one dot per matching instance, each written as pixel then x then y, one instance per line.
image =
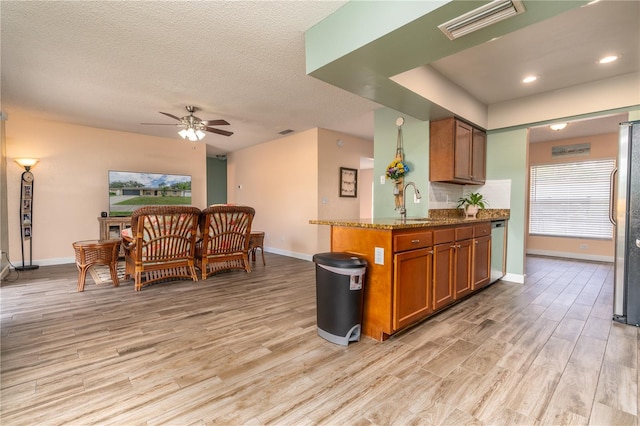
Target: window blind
pixel 571 199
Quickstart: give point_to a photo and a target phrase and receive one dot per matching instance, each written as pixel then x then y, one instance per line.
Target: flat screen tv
pixel 130 190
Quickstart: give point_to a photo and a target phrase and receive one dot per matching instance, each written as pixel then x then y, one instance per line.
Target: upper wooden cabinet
pixel 457 152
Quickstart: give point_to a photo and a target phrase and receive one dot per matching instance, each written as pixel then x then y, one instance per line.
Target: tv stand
pixel 111 227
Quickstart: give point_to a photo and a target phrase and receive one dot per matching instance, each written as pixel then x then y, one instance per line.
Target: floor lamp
pixel 26 210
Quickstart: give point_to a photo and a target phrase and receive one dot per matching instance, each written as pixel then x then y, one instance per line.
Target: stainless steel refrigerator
pixel 625 215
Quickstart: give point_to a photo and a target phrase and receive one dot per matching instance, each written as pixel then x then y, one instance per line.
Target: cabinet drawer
pixel 446 235
pixel 464 233
pixel 482 229
pixel 414 240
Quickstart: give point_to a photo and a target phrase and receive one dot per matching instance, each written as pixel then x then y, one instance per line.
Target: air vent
pixel 286 132
pixel 489 14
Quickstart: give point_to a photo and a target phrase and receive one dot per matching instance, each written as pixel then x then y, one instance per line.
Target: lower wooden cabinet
pixel 412 273
pixel 481 262
pixel 462 269
pixel 412 287
pixel 443 293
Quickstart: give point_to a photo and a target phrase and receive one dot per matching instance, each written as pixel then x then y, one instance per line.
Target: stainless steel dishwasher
pixel 498 249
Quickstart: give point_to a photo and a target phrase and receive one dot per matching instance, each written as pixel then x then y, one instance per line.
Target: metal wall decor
pixel 26 212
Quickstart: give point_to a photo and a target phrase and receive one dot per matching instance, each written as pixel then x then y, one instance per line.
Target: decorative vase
pixel 397 192
pixel 471 211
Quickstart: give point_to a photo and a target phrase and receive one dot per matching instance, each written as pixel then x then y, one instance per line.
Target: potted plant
pixel 471 203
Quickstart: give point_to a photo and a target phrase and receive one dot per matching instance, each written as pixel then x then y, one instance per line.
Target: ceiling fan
pixel 193 127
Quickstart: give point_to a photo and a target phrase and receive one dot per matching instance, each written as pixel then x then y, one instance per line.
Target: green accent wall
pixel 507 159
pixel 216 181
pixel 415 137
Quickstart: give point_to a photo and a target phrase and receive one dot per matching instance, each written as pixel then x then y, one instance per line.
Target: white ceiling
pixel 115 65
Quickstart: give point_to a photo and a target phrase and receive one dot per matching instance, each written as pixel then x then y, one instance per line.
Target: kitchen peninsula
pixel 417 266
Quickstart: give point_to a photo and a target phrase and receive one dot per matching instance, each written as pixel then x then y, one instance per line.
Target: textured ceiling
pixel 115 65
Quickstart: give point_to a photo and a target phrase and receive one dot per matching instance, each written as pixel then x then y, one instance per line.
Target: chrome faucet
pixel 403 210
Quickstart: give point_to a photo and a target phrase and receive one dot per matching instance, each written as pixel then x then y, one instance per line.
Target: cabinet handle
pixel 431 252
pixel 459 246
pixel 415 241
pixel 476 241
pixel 453 246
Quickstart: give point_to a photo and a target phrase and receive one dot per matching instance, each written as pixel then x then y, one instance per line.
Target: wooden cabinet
pixel 111 228
pixel 478 156
pixel 457 152
pixel 442 276
pixel 412 260
pixel 412 273
pixel 452 265
pixel 481 258
pixel 412 287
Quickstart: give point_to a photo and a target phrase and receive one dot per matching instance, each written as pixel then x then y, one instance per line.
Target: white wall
pixel 71 179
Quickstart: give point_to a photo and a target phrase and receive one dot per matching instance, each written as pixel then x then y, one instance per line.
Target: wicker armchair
pixel 162 244
pixel 224 239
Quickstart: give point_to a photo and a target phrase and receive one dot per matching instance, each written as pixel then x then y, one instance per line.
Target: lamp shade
pixel 26 163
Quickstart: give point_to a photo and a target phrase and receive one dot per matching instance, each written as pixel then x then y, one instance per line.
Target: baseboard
pixel 513 278
pixel 48 262
pixel 65 260
pixel 287 253
pixel 571 255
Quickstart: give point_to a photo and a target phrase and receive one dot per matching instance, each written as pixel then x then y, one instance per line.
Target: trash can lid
pixel 339 260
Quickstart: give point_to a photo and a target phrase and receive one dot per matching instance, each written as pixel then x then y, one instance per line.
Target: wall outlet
pixel 379 256
pixel 416 200
pixel 382 180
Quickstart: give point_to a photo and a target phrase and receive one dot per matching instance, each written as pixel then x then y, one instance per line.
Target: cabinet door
pixel 443 275
pixel 412 287
pixel 462 156
pixel 462 275
pixel 481 262
pixel 478 161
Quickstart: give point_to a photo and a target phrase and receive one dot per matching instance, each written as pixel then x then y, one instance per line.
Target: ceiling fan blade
pixel 218 131
pixel 215 122
pixel 170 115
pixel 163 124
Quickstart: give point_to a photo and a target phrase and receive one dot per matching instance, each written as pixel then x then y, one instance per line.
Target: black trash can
pixel 339 296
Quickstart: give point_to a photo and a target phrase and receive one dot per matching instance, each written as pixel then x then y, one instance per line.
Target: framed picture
pixel 348 182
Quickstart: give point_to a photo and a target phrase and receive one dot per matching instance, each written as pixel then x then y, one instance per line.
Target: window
pixel 571 199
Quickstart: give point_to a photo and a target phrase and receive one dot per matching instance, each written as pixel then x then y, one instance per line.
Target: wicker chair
pixel 162 244
pixel 224 239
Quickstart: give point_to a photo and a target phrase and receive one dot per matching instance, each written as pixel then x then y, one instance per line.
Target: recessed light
pixel 530 79
pixel 558 126
pixel 608 59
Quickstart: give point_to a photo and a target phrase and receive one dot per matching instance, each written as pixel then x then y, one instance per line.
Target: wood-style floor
pixel 243 349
